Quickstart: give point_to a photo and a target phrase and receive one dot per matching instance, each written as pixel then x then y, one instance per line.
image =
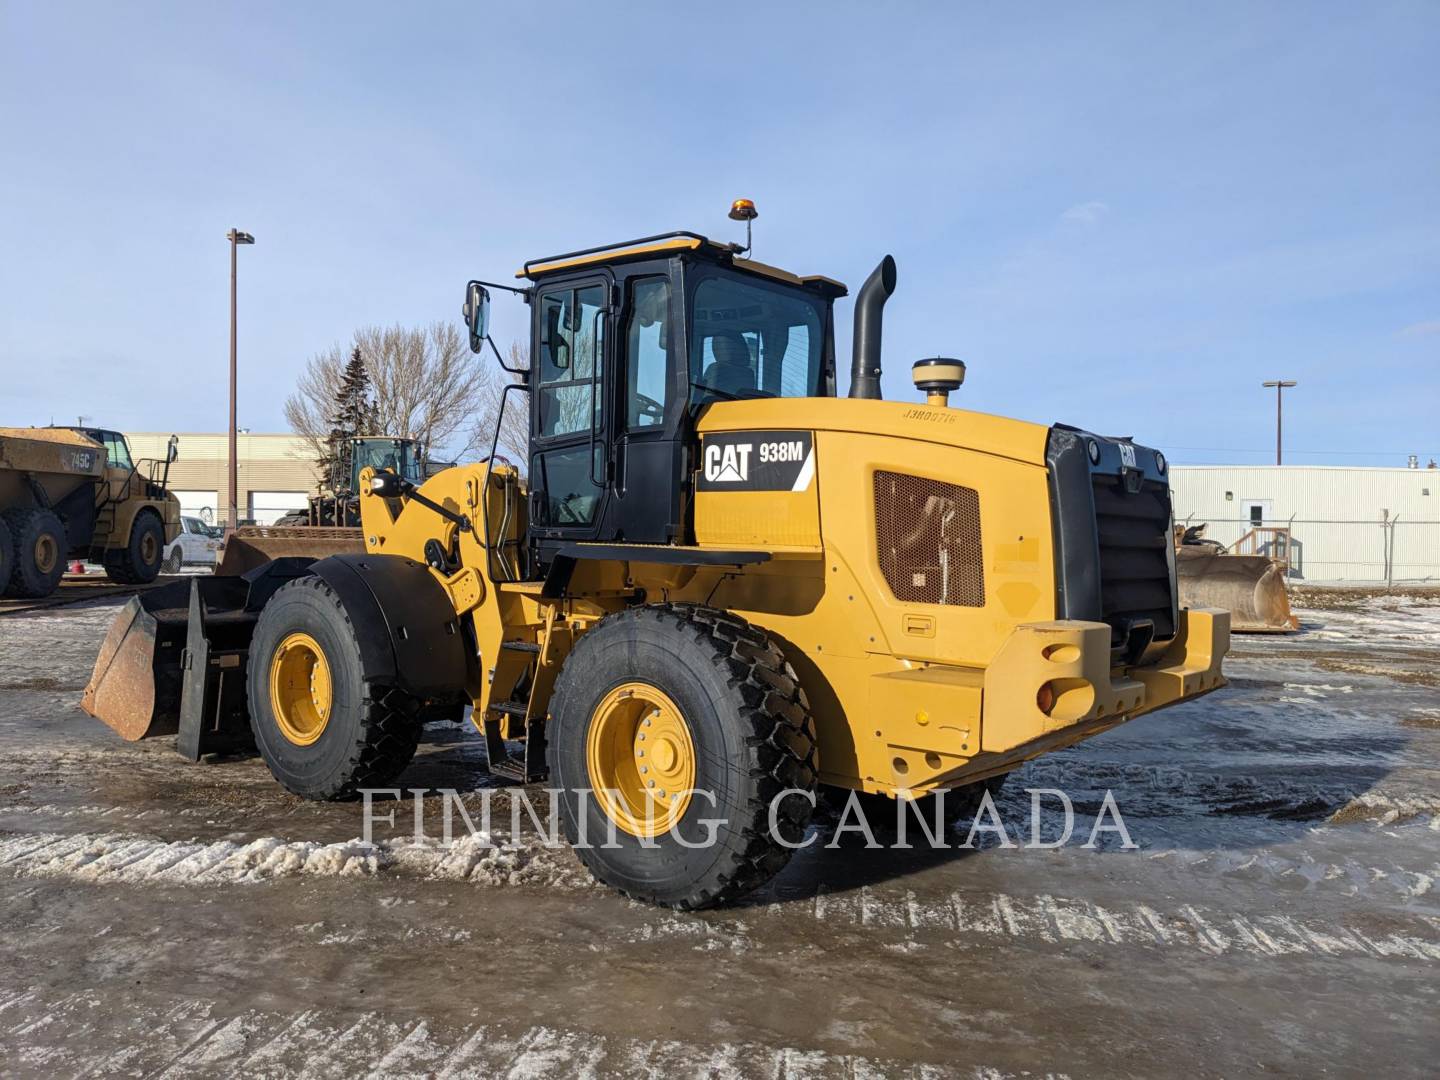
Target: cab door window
pixel 647 344
pixel 572 346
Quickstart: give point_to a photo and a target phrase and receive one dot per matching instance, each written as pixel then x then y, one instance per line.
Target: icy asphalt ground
pixel 1279 916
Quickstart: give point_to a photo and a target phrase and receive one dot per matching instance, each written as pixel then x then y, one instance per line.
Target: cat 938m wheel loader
pixel 718 585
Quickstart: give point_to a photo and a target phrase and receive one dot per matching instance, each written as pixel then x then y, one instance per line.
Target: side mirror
pixel 173 452
pixel 477 314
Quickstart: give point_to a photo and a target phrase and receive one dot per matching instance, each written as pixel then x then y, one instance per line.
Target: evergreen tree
pixel 353 414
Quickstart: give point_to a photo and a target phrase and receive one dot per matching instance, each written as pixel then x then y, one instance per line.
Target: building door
pixel 266 507
pixel 1257 511
pixel 200 504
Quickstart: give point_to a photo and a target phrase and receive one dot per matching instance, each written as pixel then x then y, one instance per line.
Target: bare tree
pixel 427 386
pixel 514 441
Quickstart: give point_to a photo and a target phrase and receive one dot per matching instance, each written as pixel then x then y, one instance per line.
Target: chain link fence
pixel 1387 550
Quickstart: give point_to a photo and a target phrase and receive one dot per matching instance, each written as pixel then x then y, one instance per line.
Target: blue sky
pixel 1122 216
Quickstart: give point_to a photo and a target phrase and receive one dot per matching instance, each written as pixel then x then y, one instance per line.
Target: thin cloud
pixel 1421 329
pixel 1086 213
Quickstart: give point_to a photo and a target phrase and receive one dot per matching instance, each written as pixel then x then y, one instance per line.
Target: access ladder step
pixel 509 708
pixel 509 769
pixel 521 646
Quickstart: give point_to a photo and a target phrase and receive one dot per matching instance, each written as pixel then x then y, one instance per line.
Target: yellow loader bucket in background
pixel 251 546
pixel 1250 587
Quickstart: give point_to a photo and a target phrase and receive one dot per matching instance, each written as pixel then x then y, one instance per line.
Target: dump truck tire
pixel 324 725
pixel 7 556
pixel 138 562
pixel 38 540
pixel 731 721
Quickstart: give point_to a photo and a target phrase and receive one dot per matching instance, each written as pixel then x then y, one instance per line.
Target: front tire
pixel 326 728
pixel 730 722
pixel 138 562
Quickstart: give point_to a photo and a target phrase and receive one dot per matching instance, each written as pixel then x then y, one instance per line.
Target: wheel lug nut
pixel 646 769
pixel 650 783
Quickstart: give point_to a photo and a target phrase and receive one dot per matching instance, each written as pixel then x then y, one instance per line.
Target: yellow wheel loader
pixel 719 587
pixel 330 524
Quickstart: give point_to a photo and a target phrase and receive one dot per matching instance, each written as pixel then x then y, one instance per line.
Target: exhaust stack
pixel 869 306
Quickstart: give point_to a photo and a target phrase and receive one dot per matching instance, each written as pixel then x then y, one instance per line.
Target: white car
pixel 196 545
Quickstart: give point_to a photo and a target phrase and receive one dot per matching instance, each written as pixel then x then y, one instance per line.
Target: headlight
pixel 1160 461
pixel 1094 448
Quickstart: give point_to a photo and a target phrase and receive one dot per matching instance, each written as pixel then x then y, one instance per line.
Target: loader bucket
pixel 1250 587
pixel 175 657
pixel 252 546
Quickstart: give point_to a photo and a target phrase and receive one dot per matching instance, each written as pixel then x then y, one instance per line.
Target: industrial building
pixel 1333 523
pixel 276 473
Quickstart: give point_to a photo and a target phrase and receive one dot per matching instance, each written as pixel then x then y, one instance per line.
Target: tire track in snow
pixel 1045 919
pixel 955 917
pixel 84 1033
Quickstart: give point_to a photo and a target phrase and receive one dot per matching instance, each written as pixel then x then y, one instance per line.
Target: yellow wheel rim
pixel 300 689
pixel 47 553
pixel 641 759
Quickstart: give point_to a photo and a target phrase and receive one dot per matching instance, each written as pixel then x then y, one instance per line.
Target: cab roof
pixel 671 244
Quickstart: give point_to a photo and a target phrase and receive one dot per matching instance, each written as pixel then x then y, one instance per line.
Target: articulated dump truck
pixel 721 588
pixel 75 493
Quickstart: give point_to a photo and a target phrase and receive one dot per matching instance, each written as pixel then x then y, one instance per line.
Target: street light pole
pixel 1280 385
pixel 236 238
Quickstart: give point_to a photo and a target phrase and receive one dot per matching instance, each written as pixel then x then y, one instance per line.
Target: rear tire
pixel 369 730
pixel 38 540
pixel 747 732
pixel 138 562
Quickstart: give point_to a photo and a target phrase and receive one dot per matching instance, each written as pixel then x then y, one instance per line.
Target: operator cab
pixel 117 450
pixel 400 456
pixel 629 343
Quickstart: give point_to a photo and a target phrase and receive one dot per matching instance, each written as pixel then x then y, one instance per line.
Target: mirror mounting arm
pixel 501 360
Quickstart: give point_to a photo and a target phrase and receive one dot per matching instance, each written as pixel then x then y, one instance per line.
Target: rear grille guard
pixel 1113 550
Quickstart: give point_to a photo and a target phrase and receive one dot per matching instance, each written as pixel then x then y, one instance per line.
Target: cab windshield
pixel 750 338
pixel 392 455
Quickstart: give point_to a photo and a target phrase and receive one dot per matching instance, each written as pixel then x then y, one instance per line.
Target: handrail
pixel 677 234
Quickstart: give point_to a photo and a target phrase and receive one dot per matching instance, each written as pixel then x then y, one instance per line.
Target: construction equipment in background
pixel 330 524
pixel 75 493
pixel 1250 587
pixel 722 586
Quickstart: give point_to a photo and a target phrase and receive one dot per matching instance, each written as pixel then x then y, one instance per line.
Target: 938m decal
pixel 756 461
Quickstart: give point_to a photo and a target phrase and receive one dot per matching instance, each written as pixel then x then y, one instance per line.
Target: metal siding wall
pixel 1337 513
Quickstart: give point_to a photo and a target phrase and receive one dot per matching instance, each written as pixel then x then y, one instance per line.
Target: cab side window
pixel 572 347
pixel 116 450
pixel 647 345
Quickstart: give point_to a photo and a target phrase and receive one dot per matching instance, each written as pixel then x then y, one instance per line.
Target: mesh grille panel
pixel 929 539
